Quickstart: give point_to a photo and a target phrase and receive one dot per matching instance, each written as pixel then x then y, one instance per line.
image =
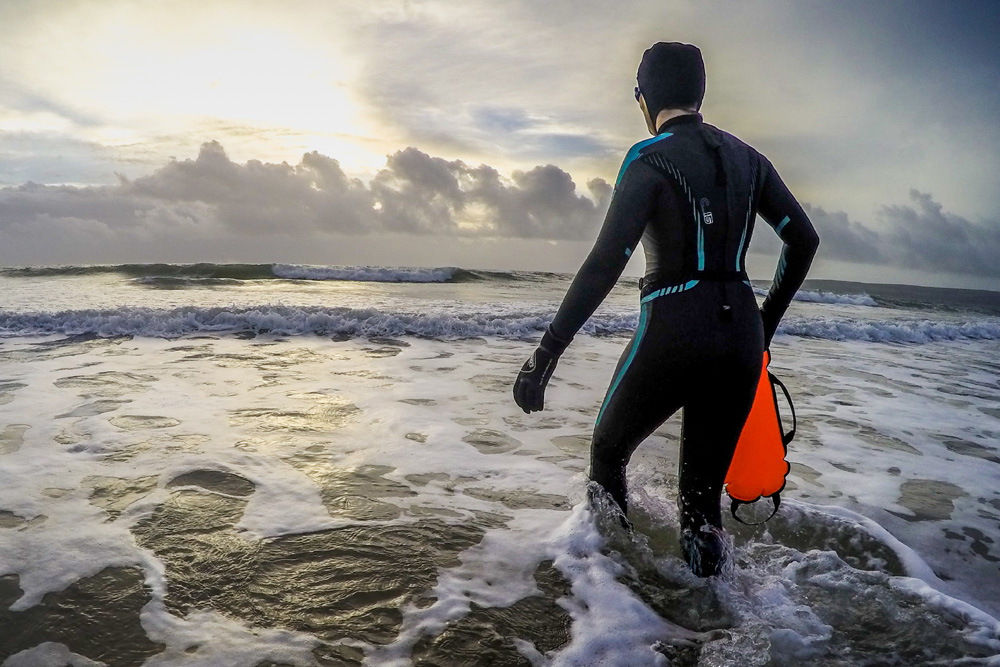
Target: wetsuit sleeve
pixel 632 205
pixel 781 210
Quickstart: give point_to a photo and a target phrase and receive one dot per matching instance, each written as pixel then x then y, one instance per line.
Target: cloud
pixel 923 235
pixel 214 198
pixel 844 239
pixel 213 202
pixel 260 197
pixel 420 193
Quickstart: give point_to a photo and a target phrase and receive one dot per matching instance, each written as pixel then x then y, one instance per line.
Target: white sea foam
pixel 819 296
pixel 210 638
pixel 611 625
pixel 898 331
pixel 831 297
pixel 364 273
pixel 922 580
pixel 50 654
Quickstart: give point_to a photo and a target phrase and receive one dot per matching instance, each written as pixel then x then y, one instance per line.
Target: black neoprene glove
pixel 529 387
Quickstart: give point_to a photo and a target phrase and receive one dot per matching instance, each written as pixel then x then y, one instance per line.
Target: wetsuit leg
pixel 644 392
pixel 709 433
pixel 715 411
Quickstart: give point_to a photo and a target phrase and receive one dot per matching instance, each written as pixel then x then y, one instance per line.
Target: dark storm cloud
pixel 258 196
pixel 414 193
pixel 420 193
pixel 920 236
pixel 846 240
pixel 923 235
pixel 212 197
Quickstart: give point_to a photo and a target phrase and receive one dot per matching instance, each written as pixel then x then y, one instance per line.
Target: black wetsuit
pixel 691 194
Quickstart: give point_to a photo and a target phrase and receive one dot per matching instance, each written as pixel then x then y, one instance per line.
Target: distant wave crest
pixel 204 270
pixel 378 274
pixel 206 274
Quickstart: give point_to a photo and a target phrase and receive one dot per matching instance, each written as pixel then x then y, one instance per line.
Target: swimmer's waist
pixel 652 282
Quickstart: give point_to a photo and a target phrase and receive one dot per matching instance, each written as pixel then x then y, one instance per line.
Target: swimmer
pixel 691 195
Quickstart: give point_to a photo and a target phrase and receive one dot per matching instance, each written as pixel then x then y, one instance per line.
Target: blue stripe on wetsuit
pixel 633 153
pixel 643 320
pixel 746 223
pixel 739 250
pixel 781 225
pixel 701 242
pixel 673 289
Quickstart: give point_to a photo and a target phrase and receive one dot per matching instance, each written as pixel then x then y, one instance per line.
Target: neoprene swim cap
pixel 671 76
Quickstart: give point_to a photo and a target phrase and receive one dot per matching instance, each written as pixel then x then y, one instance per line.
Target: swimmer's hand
pixel 529 387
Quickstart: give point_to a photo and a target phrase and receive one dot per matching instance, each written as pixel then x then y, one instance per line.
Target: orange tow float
pixel 759 468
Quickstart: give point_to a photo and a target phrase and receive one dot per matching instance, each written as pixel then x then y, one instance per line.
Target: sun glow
pixel 254 76
pixel 145 70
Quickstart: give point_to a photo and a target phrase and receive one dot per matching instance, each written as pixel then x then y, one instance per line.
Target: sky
pixel 483 133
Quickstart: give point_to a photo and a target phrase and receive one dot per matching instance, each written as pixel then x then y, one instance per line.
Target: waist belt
pixel 663 283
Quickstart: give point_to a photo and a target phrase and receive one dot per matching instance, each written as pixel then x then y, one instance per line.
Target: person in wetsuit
pixel 691 195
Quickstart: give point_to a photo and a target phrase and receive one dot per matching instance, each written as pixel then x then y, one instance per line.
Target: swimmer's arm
pixel 631 207
pixel 781 210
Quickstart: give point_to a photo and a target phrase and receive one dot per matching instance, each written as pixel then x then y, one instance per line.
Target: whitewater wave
pixel 283 320
pixel 819 296
pixel 904 331
pixel 499 322
pixel 830 297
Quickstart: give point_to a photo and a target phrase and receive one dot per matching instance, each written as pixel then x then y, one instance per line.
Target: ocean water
pixel 288 465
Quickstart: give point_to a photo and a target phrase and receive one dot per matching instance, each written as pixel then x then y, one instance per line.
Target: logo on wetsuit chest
pixel 705 213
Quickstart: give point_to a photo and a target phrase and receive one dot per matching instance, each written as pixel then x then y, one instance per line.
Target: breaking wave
pixel 901 331
pixel 497 321
pixel 283 320
pixel 830 297
pixel 819 296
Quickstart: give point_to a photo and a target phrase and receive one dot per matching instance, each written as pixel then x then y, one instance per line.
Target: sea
pixel 283 465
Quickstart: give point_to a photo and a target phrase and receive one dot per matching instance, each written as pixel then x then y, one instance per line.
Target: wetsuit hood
pixel 671 76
